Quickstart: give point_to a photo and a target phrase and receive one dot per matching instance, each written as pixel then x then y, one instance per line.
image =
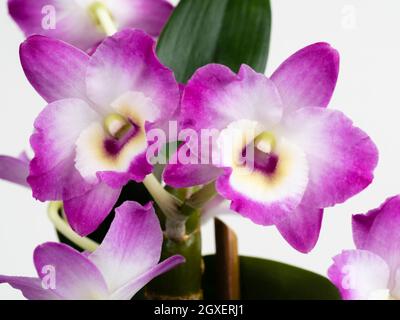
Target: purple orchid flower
pixel 126 261
pixel 75 23
pixel 91 138
pixel 372 271
pixel 306 157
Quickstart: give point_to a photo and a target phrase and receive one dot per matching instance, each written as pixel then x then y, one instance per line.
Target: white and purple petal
pixel 98 150
pixel 267 194
pixel 147 15
pixel 132 287
pixel 31 288
pixel 301 227
pixel 58 19
pixel 56 130
pixel 65 19
pixel 132 245
pixel 15 170
pixel 341 157
pixel 86 211
pixel 54 68
pixel 215 96
pixel 76 277
pixel 381 232
pixel 128 61
pixel 308 78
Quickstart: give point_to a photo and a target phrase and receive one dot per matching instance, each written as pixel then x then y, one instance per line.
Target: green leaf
pixel 269 280
pixel 230 32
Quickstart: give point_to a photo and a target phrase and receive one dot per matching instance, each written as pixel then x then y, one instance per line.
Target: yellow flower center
pixel 116 125
pixel 265 142
pixel 102 17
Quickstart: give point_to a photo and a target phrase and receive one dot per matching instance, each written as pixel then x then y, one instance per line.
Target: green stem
pixel 170 206
pixel 183 282
pixel 202 196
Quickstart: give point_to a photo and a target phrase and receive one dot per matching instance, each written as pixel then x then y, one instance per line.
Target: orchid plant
pixel 117 112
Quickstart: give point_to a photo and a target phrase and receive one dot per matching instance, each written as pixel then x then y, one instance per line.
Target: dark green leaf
pixel 269 280
pixel 230 32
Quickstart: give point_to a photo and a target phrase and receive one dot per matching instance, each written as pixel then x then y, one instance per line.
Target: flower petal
pixel 31 288
pixel 56 130
pixel 215 97
pixel 308 78
pixel 138 170
pixel 189 172
pixel 131 288
pixel 14 170
pixel 359 274
pixel 126 62
pixel 147 15
pixel 86 211
pixel 301 227
pixel 383 236
pixel 341 157
pixel 70 18
pixel 361 225
pixel 269 211
pixel 189 175
pixel 54 68
pixel 132 245
pixel 76 277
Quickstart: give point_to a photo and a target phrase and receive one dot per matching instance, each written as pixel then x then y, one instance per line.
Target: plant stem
pixel 170 206
pixel 63 227
pixel 200 198
pixel 183 282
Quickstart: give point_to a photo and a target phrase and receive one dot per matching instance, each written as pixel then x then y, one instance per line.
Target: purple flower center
pixel 266 163
pixel 259 154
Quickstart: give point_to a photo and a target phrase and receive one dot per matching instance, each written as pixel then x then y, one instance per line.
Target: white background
pixel 367 35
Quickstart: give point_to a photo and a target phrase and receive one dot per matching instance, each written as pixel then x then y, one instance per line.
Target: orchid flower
pixel 91 138
pixel 126 261
pixel 306 157
pixel 76 21
pixel 372 271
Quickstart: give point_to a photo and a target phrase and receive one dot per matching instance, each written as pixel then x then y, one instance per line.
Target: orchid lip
pixel 114 145
pixel 263 157
pixel 120 130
